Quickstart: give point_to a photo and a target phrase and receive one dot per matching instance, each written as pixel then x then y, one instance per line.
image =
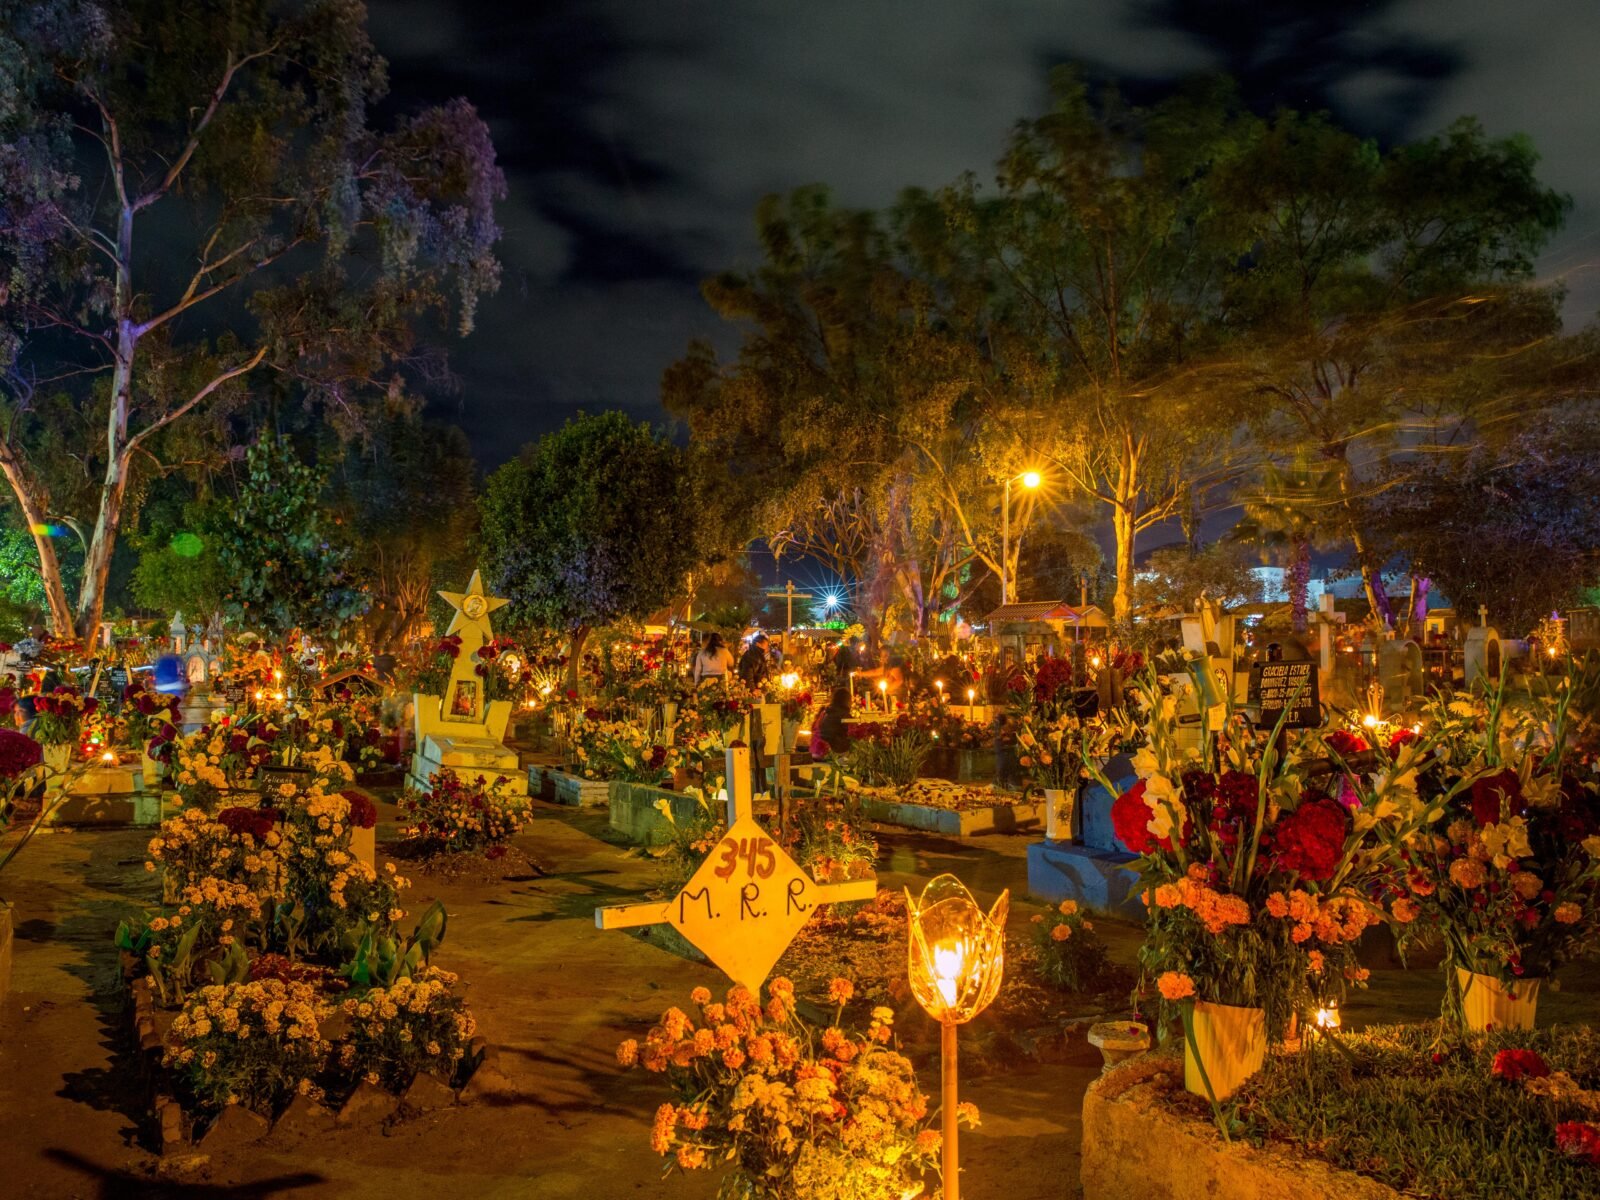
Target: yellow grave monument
pixel 463 732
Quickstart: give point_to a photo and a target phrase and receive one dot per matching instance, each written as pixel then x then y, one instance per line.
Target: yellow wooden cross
pixel 748 900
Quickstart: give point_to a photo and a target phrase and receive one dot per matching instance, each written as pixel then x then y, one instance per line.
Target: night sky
pixel 637 135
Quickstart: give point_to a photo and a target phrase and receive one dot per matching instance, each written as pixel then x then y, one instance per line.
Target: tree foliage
pixel 286 567
pixel 591 524
pixel 196 197
pixel 405 494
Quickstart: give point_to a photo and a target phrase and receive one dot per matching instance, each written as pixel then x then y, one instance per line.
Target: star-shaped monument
pixel 472 610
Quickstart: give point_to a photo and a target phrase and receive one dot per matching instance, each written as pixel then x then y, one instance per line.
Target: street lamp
pixel 1029 480
pixel 956 956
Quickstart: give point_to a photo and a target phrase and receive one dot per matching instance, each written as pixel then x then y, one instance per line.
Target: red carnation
pixel 1310 840
pixel 363 812
pixel 1493 791
pixel 1130 819
pixel 1515 1065
pixel 1400 740
pixel 1344 743
pixel 1579 1140
pixel 18 752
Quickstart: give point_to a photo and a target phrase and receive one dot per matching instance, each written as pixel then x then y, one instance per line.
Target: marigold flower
pixel 701 996
pixel 1175 985
pixel 1568 913
pixel 840 991
pixel 1405 910
pixel 1061 933
pixel 628 1053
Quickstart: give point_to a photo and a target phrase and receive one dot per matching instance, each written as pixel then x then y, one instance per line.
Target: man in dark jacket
pixel 755 666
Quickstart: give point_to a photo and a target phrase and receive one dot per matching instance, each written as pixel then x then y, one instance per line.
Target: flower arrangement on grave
pixel 831 841
pixel 270 928
pixel 147 714
pixel 428 672
pixel 60 714
pixel 1051 737
pixel 1508 878
pixel 795 1113
pixel 461 816
pixel 1257 880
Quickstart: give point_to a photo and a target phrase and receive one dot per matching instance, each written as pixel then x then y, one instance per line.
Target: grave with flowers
pixel 1262 860
pixel 462 731
pixel 280 987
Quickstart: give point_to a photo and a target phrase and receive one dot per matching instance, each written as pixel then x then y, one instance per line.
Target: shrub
pixel 255 1044
pixel 1071 955
pixel 454 816
pixel 416 1024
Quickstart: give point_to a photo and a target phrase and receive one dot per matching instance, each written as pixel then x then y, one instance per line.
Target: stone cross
pixel 748 899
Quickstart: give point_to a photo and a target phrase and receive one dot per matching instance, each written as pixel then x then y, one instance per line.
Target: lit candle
pixel 883 693
pixel 948 958
pixel 939 683
pixel 971 696
pixel 1328 1018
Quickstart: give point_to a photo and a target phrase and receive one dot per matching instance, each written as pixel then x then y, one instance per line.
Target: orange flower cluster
pixel 1333 922
pixel 1215 910
pixel 759 1088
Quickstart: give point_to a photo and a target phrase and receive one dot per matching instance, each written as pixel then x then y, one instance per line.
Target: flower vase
pixel 57 757
pixel 791 735
pixel 1058 814
pixel 150 772
pixel 1487 1003
pixel 1230 1041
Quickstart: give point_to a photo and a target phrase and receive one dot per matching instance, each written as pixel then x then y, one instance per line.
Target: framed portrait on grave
pixel 465 703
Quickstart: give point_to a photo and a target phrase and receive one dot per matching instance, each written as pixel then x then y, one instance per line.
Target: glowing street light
pixel 955 959
pixel 1031 481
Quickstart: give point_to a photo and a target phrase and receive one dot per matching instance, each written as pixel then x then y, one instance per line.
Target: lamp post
pixel 1030 480
pixel 955 958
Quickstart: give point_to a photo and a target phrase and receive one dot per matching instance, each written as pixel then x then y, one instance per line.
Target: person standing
pixel 754 665
pixel 714 660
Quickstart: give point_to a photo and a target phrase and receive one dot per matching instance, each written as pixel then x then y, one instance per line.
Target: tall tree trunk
pixel 579 635
pixel 1299 582
pixel 1371 573
pixel 33 512
pixel 1122 526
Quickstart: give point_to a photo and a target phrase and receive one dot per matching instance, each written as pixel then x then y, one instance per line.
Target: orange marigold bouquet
pixel 793 1113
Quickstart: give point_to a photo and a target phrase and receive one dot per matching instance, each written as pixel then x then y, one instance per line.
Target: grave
pixel 1093 867
pixel 1481 657
pixel 1400 672
pixel 747 900
pixel 463 732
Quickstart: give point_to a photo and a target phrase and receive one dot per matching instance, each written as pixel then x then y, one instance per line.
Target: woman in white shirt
pixel 714 661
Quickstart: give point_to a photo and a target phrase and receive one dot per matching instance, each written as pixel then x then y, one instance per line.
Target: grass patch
pixel 1426 1116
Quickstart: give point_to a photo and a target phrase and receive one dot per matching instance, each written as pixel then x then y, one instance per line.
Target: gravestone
pixel 1288 690
pixel 1093 868
pixel 1481 655
pixel 463 732
pixel 1400 671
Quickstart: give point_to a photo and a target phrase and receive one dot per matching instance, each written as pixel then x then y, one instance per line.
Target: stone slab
pixel 1000 818
pixel 1097 879
pixel 1134 1149
pixel 634 812
pixel 563 787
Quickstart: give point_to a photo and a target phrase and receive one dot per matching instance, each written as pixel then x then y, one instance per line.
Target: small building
pixel 1046 626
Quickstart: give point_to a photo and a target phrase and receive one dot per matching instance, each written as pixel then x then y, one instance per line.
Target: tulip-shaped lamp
pixel 956 957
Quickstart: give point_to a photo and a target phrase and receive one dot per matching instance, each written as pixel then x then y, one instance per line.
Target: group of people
pixel 714 661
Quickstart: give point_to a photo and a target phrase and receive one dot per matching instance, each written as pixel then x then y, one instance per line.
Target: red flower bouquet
pixel 1516 1065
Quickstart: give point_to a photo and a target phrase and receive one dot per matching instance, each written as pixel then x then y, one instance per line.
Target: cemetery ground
pixel 558 1118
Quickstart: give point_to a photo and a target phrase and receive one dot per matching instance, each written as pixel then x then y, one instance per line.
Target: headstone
pixel 1287 690
pixel 462 732
pixel 1400 671
pixel 1480 655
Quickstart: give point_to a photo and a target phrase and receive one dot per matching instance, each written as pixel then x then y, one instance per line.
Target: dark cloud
pixel 637 137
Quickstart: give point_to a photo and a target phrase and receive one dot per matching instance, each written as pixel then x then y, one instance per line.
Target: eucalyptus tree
pixel 195 195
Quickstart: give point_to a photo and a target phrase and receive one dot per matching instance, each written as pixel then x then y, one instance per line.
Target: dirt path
pixel 555 994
